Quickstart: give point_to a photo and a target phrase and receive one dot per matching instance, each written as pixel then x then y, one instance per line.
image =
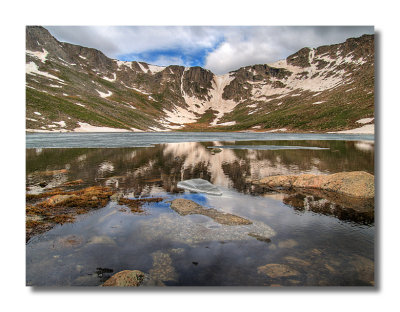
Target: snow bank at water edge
pixel 366 129
pixel 85 127
pixel 365 120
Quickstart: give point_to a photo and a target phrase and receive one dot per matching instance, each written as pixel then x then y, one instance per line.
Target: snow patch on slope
pixel 41 55
pixel 33 69
pixel 155 69
pixel 196 106
pixel 142 67
pixel 60 123
pixel 111 79
pixel 217 103
pixel 104 95
pixel 316 79
pixel 228 123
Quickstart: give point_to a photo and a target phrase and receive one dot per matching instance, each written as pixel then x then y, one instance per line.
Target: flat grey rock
pixel 199 186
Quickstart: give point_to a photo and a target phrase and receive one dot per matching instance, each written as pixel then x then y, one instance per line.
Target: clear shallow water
pixel 326 241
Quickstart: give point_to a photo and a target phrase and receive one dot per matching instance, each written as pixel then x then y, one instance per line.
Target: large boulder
pixel 126 278
pixel 357 183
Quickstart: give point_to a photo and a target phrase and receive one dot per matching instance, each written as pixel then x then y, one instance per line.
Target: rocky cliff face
pixel 69 87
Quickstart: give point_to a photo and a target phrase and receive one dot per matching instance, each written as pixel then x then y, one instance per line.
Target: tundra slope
pixel 74 88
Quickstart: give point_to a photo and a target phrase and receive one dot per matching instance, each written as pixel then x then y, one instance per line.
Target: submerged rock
pixel 357 183
pixel 199 186
pixel 163 269
pixel 136 204
pixel 68 241
pixel 289 243
pixel 187 231
pixel 186 207
pixel 260 237
pixel 126 278
pixel 364 267
pixel 297 261
pixel 101 240
pixel 275 270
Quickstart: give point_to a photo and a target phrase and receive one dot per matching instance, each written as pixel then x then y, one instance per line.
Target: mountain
pixel 75 88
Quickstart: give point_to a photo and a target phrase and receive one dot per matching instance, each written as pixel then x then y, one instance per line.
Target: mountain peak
pixel 68 85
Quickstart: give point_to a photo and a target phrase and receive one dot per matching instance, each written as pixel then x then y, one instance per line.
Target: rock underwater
pixel 187 207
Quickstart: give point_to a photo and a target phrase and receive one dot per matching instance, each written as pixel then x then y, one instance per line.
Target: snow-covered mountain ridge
pixel 74 88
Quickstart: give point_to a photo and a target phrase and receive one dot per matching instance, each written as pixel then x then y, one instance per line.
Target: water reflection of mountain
pixel 148 170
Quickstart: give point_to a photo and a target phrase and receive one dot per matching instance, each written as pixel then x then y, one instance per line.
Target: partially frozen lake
pixel 323 241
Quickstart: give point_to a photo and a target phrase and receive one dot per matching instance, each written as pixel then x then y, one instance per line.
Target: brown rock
pixel 186 207
pixel 125 278
pixel 275 270
pixel 364 267
pixel 289 243
pixel 356 183
pixel 75 182
pixel 260 237
pixel 57 199
pixel 298 261
pixel 68 241
pixel 52 172
pixel 163 269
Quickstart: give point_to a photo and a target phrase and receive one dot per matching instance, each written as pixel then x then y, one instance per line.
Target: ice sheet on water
pixel 132 139
pixel 199 186
pixel 268 147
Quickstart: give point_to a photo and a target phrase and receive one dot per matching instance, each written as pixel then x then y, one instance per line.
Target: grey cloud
pixel 238 45
pixel 117 40
pixel 85 36
pixel 253 45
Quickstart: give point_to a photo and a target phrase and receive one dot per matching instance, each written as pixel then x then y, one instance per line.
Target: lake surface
pixel 323 241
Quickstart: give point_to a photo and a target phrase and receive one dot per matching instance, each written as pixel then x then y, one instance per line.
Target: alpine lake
pixel 290 239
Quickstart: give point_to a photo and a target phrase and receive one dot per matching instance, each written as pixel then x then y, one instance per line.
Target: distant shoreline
pixel 366 129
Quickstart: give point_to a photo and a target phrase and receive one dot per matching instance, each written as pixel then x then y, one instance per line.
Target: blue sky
pixel 171 56
pixel 217 48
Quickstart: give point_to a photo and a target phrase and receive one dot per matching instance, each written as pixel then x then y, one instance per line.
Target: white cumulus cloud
pixel 225 48
pixel 245 46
